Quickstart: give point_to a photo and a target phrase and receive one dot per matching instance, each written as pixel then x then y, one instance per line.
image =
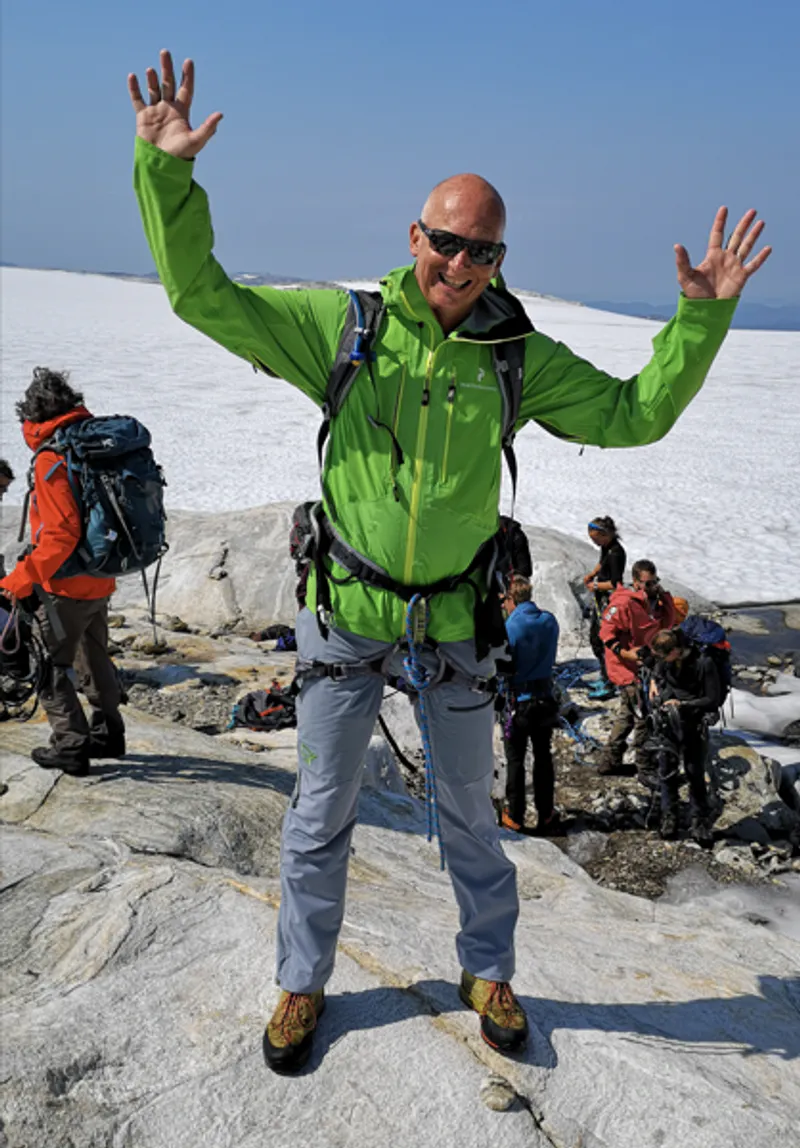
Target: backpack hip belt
pixel 328 543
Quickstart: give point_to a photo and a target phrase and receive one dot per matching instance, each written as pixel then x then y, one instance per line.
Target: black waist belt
pixel 488 617
pixel 369 572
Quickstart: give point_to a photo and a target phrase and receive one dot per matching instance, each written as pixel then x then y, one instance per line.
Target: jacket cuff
pixel 17 583
pixel 148 155
pixel 707 310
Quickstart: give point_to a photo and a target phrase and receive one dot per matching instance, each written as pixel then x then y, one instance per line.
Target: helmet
pixel 681 610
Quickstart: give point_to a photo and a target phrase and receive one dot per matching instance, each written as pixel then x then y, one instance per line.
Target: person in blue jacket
pixel 533 640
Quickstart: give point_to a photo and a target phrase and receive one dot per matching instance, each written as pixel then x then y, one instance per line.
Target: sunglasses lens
pixel 443 243
pixel 447 244
pixel 482 253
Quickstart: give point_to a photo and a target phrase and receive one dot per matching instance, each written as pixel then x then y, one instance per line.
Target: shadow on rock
pixel 749 1025
pixel 155 767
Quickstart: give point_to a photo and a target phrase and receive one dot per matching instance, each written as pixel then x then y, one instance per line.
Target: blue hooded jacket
pixel 533 638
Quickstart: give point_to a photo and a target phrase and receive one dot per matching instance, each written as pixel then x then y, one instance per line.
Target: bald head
pixel 466 199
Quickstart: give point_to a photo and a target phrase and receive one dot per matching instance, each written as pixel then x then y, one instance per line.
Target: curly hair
pixel 48 396
pixel 519 589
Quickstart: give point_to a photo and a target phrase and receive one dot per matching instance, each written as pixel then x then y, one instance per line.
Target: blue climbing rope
pixel 420 680
pixel 584 742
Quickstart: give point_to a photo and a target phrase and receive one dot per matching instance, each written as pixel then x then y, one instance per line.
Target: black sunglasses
pixel 446 243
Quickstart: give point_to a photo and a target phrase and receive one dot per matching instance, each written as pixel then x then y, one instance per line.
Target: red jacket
pixel 55 524
pixel 631 619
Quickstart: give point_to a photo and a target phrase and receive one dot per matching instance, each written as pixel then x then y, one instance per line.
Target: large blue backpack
pixel 119 491
pixel 709 637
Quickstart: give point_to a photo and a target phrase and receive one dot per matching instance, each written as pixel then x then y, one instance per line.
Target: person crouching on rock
pixel 633 618
pixel 533 640
pixel 74 616
pixel 685 695
pixel 602 580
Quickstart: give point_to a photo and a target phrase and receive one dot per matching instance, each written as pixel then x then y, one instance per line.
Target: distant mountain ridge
pixel 749 316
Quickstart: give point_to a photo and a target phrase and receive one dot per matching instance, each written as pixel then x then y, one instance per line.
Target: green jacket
pixel 424 517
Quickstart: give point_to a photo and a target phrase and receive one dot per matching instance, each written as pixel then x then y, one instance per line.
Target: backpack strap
pixel 365 313
pixel 509 369
pixel 57 446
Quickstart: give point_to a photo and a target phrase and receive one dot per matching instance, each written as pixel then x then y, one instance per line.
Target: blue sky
pixel 613 130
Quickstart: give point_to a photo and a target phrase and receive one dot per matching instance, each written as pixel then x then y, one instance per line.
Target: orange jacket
pixel 633 621
pixel 55 523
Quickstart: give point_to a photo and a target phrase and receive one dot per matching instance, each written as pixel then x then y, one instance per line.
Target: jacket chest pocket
pixel 470 430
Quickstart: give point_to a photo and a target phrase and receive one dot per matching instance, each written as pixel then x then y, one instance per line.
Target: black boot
pixel 701 830
pixel 113 746
pixel 668 830
pixel 74 762
pixel 106 735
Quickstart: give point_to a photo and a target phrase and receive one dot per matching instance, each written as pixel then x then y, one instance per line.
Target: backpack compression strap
pixel 365 313
pixel 509 369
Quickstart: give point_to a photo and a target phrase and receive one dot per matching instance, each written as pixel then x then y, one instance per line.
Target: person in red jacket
pixel 74 620
pixel 631 621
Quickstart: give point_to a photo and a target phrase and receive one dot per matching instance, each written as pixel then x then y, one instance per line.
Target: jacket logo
pixel 481 374
pixel 609 614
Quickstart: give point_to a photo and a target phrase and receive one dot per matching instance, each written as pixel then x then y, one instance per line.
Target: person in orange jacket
pixel 632 619
pixel 74 615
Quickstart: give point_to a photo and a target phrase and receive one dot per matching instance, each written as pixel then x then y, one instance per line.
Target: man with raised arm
pixel 412 483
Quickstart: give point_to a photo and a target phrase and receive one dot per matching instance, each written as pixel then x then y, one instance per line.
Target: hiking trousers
pixel 533 721
pixel 336 719
pixel 595 641
pixel 694 751
pixel 630 718
pixel 84 647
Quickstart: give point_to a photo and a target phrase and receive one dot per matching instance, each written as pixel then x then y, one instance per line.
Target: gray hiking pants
pixel 335 722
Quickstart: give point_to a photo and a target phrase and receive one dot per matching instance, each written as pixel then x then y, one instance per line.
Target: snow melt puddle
pixel 777 909
pixel 756 632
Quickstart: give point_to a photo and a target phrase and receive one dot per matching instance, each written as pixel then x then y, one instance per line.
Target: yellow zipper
pixel 419 463
pixel 451 402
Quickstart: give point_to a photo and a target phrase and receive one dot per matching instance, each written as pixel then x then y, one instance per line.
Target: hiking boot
pixel 107 747
pixel 508 822
pixel 602 690
pixel 49 757
pixel 551 826
pixel 504 1025
pixel 668 830
pixel 289 1035
pixel 701 832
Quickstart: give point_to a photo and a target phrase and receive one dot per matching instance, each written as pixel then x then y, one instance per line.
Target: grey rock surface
pixel 139 912
pixel 207 576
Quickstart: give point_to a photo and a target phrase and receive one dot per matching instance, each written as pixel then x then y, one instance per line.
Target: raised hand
pixel 724 272
pixel 165 122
